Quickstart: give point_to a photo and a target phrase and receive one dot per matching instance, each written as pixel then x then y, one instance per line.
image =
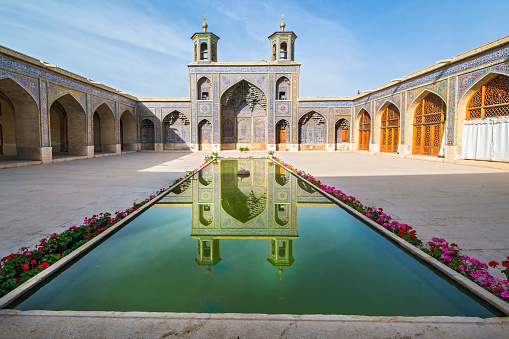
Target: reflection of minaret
pixel 208 253
pixel 281 253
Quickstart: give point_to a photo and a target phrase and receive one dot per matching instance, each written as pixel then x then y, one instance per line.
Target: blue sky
pixel 143 47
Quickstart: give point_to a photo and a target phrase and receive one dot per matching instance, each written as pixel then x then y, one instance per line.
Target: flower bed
pixel 17 268
pixel 445 252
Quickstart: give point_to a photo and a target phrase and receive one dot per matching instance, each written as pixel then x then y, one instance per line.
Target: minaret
pixel 205 45
pixel 282 45
pixel 281 253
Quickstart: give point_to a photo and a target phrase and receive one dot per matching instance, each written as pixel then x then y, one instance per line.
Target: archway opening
pixel 147 135
pixel 429 119
pixel 283 89
pixel 312 131
pixel 243 117
pixel 104 130
pixel 389 129
pixel 20 120
pixel 58 129
pixel 283 51
pixel 176 131
pixel 342 133
pixel 127 132
pixel 204 89
pixel 364 131
pixel 282 135
pixel 205 135
pixel 203 51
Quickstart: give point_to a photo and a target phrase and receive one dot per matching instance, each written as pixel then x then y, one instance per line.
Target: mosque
pixel 455 109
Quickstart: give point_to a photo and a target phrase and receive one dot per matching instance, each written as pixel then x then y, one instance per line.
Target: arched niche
pixel 176 131
pixel 243 117
pixel 127 131
pixel 312 131
pixel 283 88
pixel 387 127
pixel 364 129
pixel 205 135
pixel 103 129
pixel 147 134
pixel 282 135
pixel 342 133
pixel 21 125
pixel 428 125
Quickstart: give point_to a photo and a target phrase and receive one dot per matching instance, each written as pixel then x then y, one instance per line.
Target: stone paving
pixel 36 201
pixel 463 204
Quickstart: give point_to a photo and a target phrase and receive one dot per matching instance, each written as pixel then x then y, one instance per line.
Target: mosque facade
pixel 455 109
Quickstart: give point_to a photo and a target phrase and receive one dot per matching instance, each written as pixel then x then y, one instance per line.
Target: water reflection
pixel 261 205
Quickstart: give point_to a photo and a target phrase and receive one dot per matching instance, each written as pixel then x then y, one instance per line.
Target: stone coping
pixel 32 283
pixel 478 291
pixel 55 324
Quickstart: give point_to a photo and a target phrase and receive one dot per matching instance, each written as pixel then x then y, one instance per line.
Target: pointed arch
pixel 205 135
pixel 283 133
pixel 364 128
pixel 428 125
pixel 177 133
pixel 147 134
pixel 283 88
pixel 103 129
pixel 21 125
pixel 127 131
pixel 312 131
pixel 388 120
pixel 342 131
pixel 204 89
pixel 243 116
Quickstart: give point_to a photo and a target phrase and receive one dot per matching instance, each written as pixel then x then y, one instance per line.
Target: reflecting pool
pixel 266 243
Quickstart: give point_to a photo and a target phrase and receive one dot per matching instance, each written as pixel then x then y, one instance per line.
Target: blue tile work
pixel 90 117
pixel 283 108
pixel 259 80
pixel 117 124
pixel 44 114
pixel 247 69
pixel 288 128
pixel 167 110
pixel 322 110
pixel 194 132
pixel 402 122
pixel 31 85
pixel 342 110
pixel 205 132
pixel 55 91
pixel 324 103
pixel 147 131
pixel 331 125
pixel 61 80
pixel 158 125
pixel 203 75
pixel 259 130
pixel 163 104
pixel 366 106
pixel 272 85
pixel 439 88
pixel 442 73
pixel 97 101
pixel 148 111
pixel 215 125
pixel 451 107
pixel 395 99
pixel 122 108
pixel 217 194
pixel 466 81
pixel 295 104
pixel 205 109
pixel 244 130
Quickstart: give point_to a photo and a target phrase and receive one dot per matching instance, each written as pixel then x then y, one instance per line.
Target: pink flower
pixel 505 294
pixel 446 257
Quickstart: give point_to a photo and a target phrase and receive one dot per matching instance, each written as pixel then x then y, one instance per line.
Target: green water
pixel 263 244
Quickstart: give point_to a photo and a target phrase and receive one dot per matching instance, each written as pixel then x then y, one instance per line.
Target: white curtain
pixel 441 153
pixel 486 139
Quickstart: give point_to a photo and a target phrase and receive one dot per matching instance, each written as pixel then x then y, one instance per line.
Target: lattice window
pixel 389 129
pixel 429 120
pixel 491 100
pixel 364 131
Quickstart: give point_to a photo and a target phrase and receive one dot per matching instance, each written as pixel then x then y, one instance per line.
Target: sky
pixel 142 47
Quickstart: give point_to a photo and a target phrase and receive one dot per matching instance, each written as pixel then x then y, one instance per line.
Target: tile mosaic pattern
pixel 451 108
pixel 193 108
pixel 331 125
pixel 466 81
pixel 204 109
pixel 272 85
pixel 324 103
pixel 32 71
pixel 304 110
pixel 439 88
pixel 366 106
pixel 167 110
pixel 228 80
pixel 342 110
pixel 283 109
pixel 44 114
pixel 247 69
pixel 90 117
pixel 395 99
pixel 215 125
pixel 31 85
pixel 131 109
pixel 295 104
pixel 56 91
pixel 97 101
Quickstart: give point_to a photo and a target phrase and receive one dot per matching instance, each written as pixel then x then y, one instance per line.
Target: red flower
pixel 493 264
pixel 33 262
pixel 45 264
pixel 26 267
pixel 412 236
pixel 432 248
pixel 505 263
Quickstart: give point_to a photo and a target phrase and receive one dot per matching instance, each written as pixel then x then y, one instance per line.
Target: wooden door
pixel 282 135
pixel 364 131
pixel 344 135
pixel 389 131
pixel 429 121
